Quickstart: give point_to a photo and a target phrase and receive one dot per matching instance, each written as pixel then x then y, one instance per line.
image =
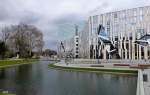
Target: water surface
pixel 38 79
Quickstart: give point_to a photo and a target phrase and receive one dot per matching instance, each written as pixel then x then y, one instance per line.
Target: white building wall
pixel 127 25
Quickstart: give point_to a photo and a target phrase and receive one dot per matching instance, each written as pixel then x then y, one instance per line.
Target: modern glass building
pixel 123 28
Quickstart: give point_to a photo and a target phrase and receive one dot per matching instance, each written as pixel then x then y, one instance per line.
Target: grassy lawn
pixel 6 94
pixel 5 63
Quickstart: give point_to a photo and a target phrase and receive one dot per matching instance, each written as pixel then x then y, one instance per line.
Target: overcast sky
pixel 56 18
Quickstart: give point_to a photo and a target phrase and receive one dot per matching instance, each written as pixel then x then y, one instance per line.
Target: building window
pixel 76 56
pixel 77 39
pixel 130 36
pixel 141 11
pixel 134 12
pixel 108 22
pixel 141 17
pixel 116 38
pixel 76 48
pixel 123 45
pixel 95 19
pixel 148 10
pixel 115 15
pixel 123 54
pixel 127 45
pixel 108 27
pixel 134 20
pixel 124 14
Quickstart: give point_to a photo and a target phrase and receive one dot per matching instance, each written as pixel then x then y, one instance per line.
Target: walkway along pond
pixel 38 79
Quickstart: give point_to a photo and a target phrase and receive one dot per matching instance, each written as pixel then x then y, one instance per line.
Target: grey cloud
pixel 30 18
pixel 56 18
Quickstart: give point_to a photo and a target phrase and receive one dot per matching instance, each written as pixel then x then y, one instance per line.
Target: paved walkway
pixel 96 66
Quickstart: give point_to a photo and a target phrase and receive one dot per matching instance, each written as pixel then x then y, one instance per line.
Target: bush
pixel 3 49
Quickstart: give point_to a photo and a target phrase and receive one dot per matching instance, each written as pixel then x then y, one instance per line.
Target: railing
pixel 140 85
pixel 122 61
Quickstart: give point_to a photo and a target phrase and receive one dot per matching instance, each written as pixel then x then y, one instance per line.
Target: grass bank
pixel 9 63
pixel 100 70
pixel 6 94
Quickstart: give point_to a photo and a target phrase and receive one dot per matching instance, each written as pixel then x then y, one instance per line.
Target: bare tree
pixel 5 33
pixel 25 39
pixel 35 38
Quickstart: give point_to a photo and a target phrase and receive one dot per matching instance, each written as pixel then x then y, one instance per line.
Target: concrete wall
pixel 140 85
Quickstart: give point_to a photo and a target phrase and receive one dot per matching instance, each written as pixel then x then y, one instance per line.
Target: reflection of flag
pixel 144 40
pixel 62 46
pixel 101 31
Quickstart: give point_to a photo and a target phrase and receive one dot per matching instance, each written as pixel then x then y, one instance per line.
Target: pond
pixel 38 79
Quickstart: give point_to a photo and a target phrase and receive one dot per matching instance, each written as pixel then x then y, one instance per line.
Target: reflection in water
pixel 37 79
